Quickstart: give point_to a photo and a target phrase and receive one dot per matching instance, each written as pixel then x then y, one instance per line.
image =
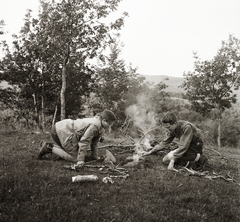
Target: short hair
pixel 108 116
pixel 169 118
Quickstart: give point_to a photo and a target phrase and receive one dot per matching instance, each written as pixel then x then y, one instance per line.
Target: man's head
pixel 108 118
pixel 170 121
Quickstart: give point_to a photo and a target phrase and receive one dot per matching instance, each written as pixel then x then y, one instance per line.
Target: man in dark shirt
pixel 190 143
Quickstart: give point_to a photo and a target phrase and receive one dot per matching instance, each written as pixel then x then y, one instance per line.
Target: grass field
pixel 42 190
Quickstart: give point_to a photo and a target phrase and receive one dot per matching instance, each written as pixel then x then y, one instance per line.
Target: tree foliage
pixel 211 84
pixel 112 78
pixel 50 56
pixel 116 85
pixel 74 29
pixel 2 23
pixel 28 68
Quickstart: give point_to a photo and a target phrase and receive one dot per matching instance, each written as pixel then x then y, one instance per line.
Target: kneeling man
pixel 190 145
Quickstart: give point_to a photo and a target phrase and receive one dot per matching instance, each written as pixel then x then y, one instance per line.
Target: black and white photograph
pixel 119 110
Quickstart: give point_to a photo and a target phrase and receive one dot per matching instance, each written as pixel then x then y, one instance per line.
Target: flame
pixel 136 157
pixel 146 143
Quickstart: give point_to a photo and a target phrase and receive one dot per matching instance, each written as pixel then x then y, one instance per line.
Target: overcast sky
pixel 159 36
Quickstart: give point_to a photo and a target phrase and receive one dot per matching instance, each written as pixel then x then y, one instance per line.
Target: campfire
pixel 137 157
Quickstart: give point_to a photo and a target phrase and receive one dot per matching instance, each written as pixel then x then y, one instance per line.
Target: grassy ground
pixel 42 190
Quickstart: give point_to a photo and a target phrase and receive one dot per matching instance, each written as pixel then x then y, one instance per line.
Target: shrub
pixel 231 128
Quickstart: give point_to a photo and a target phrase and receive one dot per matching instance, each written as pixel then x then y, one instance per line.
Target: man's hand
pixel 171 166
pixel 80 164
pixel 146 153
pixel 75 167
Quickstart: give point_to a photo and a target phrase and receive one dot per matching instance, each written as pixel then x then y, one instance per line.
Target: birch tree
pixel 76 28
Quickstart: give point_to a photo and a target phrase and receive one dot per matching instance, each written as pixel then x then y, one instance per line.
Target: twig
pixel 206 175
pixel 214 151
pixel 147 133
pixel 194 172
pixel 119 176
pixel 111 145
pixel 131 139
pixel 221 165
pixel 126 151
pixel 118 171
pixel 92 161
pixel 231 177
pixel 121 168
pixel 94 166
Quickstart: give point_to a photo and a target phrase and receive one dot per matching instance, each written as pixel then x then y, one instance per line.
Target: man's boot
pixel 201 163
pixel 45 149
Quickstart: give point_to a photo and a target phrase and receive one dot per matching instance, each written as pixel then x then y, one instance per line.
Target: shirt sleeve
pixel 184 142
pixel 85 142
pixel 163 144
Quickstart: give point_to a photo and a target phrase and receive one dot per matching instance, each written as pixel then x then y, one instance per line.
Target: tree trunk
pixel 54 116
pixel 219 133
pixel 36 116
pixel 43 106
pixel 63 91
pixel 64 86
pixel 43 115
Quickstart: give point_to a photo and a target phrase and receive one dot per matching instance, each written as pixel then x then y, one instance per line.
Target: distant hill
pixel 174 83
